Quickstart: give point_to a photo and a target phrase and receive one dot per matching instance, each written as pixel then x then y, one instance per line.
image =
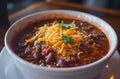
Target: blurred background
pixel 16 5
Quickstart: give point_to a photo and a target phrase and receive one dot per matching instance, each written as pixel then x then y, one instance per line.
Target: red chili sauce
pixel 96 46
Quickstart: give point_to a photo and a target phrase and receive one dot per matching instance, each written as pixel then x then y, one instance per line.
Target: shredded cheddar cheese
pixel 52 36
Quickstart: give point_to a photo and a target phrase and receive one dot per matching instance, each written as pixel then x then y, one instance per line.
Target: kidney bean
pixel 38 56
pixel 74 59
pixel 28 50
pixel 61 63
pixel 38 47
pixel 35 55
pixel 50 57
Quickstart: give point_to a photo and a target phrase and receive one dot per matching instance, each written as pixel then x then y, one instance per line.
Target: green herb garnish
pixel 66 39
pixel 64 26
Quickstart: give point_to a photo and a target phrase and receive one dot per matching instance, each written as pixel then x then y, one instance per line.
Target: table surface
pixel 111 16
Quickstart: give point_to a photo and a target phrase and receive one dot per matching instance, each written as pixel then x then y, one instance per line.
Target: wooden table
pixel 111 16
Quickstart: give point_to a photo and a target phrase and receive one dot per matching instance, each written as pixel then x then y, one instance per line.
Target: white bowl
pixel 88 71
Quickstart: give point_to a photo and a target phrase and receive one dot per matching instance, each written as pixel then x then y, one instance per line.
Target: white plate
pixel 8 69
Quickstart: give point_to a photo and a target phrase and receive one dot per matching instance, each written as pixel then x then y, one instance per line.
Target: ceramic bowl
pixel 88 71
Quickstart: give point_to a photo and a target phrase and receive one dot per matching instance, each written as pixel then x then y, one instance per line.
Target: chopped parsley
pixel 66 39
pixel 62 25
pixel 65 26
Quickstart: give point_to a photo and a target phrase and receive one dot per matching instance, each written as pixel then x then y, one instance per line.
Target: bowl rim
pixel 69 69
